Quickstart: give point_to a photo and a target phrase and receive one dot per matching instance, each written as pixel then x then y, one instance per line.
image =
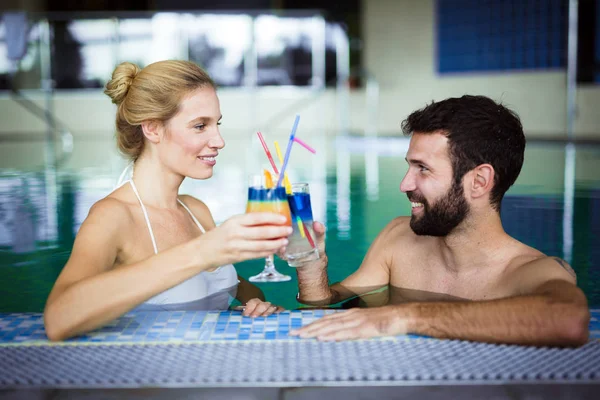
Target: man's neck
pixel 473 243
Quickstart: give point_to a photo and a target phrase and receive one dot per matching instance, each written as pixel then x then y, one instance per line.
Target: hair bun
pixel 122 78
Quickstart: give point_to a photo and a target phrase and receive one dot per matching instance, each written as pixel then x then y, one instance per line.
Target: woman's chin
pixel 200 174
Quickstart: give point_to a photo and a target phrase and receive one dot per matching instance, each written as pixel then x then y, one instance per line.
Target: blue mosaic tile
pixel 185 326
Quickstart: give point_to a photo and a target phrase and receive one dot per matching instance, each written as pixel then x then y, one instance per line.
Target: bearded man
pixel 450 268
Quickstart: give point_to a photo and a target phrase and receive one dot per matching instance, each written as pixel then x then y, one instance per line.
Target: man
pixel 452 270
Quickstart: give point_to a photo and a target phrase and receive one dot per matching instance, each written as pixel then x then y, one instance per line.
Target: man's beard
pixel 443 216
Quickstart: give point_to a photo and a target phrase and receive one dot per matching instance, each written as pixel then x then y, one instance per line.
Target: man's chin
pixel 424 231
pixel 414 226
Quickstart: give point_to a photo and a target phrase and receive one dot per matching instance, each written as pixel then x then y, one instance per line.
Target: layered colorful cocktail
pixel 301 247
pixel 273 200
pixel 264 197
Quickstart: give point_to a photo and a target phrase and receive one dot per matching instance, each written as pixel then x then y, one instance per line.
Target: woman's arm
pixel 247 291
pixel 89 292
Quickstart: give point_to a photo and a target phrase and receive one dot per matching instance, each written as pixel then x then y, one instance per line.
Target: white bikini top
pixel 214 290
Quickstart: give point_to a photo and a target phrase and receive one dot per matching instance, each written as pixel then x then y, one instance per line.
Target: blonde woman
pixel 145 246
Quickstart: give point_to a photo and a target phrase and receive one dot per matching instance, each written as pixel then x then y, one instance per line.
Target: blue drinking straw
pixel 288 151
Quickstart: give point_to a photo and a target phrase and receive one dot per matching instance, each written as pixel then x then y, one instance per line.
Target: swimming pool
pixel 554 206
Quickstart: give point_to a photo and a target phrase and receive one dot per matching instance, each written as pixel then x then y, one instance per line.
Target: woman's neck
pixel 157 185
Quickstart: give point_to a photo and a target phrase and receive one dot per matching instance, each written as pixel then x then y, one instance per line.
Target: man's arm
pixel 550 312
pixel 555 314
pixel 313 282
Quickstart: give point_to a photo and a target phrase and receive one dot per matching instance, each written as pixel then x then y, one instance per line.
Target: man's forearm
pixel 313 284
pixel 530 320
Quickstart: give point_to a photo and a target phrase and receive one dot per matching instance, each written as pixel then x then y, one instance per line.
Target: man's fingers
pixel 325 326
pixel 324 329
pixel 318 228
pixel 320 322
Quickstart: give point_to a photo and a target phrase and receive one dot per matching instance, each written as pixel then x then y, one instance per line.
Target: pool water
pixel 554 206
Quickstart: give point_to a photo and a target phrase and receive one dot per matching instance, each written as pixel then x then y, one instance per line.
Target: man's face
pixel 438 204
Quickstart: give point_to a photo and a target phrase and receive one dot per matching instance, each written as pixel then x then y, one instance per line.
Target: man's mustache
pixel 412 197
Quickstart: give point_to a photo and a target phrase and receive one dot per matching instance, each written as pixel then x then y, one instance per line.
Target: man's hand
pixel 319 232
pixel 357 324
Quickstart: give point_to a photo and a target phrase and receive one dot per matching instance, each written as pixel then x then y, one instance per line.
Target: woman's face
pixel 191 139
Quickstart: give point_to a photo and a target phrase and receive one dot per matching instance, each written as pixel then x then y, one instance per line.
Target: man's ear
pixel 482 180
pixel 152 131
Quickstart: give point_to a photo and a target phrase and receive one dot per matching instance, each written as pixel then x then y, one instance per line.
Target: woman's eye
pixel 200 126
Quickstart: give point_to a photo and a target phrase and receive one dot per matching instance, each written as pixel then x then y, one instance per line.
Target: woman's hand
pixel 244 237
pixel 258 308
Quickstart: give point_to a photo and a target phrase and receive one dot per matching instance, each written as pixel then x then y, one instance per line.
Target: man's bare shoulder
pixel 399 226
pixel 533 270
pixel 399 231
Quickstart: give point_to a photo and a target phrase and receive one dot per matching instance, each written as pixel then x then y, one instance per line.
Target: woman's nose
pixel 217 141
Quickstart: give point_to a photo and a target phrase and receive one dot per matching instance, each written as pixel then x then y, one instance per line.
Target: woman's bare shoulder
pixel 111 210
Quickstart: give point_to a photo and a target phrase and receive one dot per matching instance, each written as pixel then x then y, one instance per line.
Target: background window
pixel 496 35
pixel 83 53
pixel 218 43
pixel 284 50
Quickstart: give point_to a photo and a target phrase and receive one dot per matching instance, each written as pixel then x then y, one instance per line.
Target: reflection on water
pixel 389 295
pixel 354 190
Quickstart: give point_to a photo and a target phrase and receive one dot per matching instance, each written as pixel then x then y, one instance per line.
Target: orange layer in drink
pixel 276 206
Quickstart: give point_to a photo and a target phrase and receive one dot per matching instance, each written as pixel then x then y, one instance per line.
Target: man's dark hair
pixel 479 131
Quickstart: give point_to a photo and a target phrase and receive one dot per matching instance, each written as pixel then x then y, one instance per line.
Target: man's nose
pixel 408 183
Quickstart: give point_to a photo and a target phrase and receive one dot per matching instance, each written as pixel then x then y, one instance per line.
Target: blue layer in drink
pixel 300 207
pixel 263 194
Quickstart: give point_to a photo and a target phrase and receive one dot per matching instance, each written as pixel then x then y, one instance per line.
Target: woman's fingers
pixel 267 232
pixel 262 218
pixel 259 308
pixel 260 246
pixel 251 306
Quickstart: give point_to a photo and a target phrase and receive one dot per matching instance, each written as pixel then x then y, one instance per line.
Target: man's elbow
pixel 573 328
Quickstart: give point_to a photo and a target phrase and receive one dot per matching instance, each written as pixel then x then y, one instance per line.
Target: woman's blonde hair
pixel 150 94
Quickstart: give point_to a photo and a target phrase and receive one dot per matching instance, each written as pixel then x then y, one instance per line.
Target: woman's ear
pixel 151 130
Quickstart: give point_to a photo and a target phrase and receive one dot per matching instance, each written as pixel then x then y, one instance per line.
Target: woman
pixel 144 245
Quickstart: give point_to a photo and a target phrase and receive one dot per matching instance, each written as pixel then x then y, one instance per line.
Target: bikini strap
pixel 145 216
pixel 192 215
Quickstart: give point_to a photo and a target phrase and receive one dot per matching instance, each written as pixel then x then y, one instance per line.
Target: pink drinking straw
pixel 307 147
pixel 269 156
pixel 310 239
